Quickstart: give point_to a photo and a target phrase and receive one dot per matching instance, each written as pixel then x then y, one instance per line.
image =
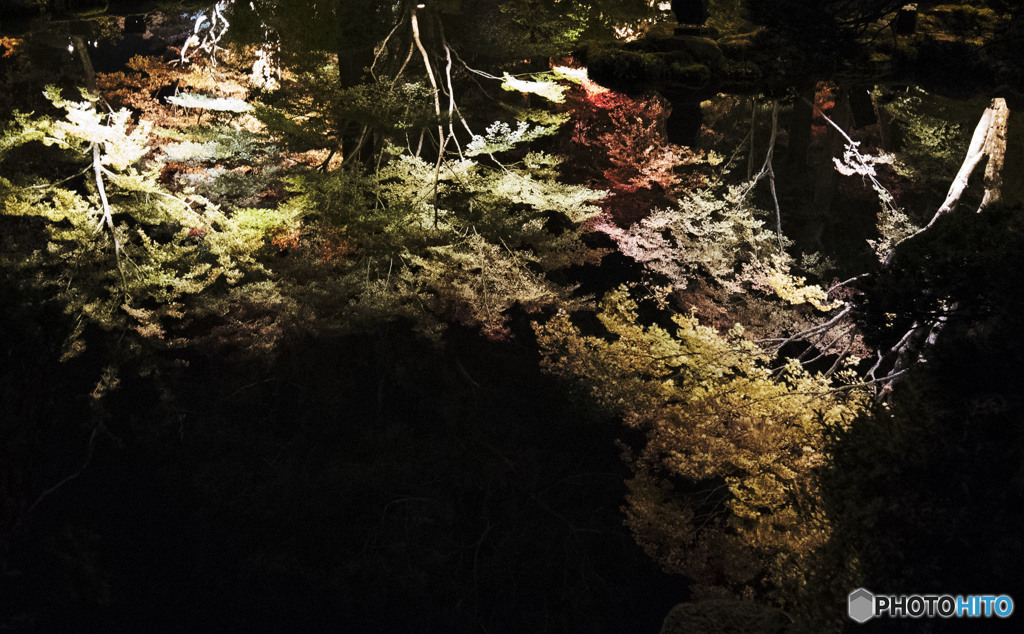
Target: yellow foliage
pixel 796 291
pixel 724 489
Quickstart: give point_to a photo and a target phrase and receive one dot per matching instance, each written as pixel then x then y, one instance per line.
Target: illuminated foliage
pixel 149 81
pixel 542 86
pixel 706 234
pixel 312 111
pixel 501 137
pixel 622 141
pixel 378 177
pixel 725 489
pixel 466 256
pixel 129 256
pixel 481 248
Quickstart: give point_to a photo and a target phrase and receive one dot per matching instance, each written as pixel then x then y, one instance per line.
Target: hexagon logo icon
pixel 862 605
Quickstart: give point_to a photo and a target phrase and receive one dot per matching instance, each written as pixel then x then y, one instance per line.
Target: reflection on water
pixel 648 150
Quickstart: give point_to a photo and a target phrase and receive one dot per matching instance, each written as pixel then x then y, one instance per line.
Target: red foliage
pixel 619 144
pixel 170 172
pixel 334 244
pixel 825 103
pixel 286 239
pixel 7 46
pixel 496 332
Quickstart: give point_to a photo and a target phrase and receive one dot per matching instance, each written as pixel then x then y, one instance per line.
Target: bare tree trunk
pixel 989 140
pixel 995 148
pixel 83 55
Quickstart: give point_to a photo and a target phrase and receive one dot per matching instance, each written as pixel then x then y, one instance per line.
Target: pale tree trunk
pixel 989 140
pixel 769 162
pixel 995 148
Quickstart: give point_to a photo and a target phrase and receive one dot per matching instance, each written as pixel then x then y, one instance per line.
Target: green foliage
pixel 708 233
pixel 525 29
pixel 720 236
pixel 728 17
pixel 22 129
pixel 215 143
pixel 467 256
pixel 893 227
pixel 84 127
pixel 314 112
pixel 387 107
pixel 935 132
pixel 893 224
pixel 646 62
pixel 964 19
pixel 618 67
pixel 170 254
pixel 308 26
pixel 693 73
pixel 819 19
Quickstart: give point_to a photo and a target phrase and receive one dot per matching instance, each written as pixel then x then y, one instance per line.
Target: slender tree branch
pixel 382 47
pixel 845 282
pixel 810 331
pixel 753 129
pixel 88 458
pixel 107 216
pixel 767 169
pixel 451 96
pixel 437 105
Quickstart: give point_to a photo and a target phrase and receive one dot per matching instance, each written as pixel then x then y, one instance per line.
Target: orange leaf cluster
pixel 8 46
